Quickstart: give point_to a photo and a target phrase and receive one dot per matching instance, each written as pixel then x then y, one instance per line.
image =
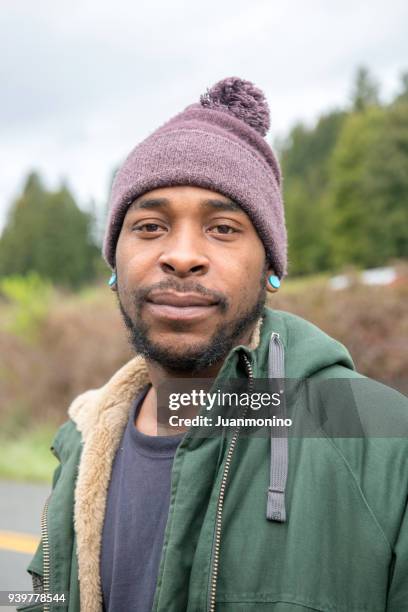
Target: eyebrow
pixel 152 203
pixel 222 205
pixel 149 204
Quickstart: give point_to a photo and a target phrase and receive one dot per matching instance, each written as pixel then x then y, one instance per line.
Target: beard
pixel 197 356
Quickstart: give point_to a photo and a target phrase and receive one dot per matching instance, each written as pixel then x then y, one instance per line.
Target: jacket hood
pixel 308 350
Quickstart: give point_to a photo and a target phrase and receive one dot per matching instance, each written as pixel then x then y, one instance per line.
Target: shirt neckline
pixel 152 446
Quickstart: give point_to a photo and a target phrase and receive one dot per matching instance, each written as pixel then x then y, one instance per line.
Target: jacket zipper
pixel 46 554
pixel 220 503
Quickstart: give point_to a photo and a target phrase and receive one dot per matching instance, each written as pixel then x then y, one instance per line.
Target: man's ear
pixel 272 280
pixel 112 282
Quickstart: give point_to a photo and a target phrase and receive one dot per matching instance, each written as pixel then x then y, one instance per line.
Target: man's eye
pixel 224 229
pixel 147 227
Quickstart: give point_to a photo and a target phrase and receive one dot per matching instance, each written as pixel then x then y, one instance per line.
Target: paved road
pixel 20 515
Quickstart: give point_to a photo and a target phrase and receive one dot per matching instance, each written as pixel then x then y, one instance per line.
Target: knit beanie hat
pixel 217 144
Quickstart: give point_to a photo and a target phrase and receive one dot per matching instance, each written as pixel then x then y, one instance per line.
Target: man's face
pixel 191 273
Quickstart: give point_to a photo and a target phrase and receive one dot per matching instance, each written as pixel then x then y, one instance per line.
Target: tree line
pixel 346 183
pixel 345 188
pixel 47 233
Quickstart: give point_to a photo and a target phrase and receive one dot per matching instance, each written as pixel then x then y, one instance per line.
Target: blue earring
pixel 112 279
pixel 274 281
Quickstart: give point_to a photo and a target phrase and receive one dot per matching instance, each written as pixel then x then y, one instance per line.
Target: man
pixel 227 522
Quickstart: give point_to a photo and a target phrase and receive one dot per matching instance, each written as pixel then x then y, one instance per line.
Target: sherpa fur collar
pixel 101 416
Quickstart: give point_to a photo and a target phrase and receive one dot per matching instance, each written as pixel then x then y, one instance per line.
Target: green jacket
pixel 343 546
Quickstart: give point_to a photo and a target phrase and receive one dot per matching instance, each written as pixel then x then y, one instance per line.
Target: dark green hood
pixel 308 349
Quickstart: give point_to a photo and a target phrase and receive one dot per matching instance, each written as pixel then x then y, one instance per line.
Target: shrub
pixel 29 297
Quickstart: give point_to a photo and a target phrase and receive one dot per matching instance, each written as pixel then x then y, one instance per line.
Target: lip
pixel 181 300
pixel 180 306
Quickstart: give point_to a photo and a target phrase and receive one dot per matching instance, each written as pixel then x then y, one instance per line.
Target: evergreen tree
pixel 305 163
pixel 24 218
pixel 369 188
pixel 365 91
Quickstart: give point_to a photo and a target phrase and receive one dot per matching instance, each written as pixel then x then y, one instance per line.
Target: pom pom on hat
pixel 242 99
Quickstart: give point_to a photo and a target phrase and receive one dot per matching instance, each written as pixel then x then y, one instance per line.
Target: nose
pixel 183 255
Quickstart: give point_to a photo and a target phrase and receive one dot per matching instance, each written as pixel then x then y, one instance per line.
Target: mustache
pixel 142 293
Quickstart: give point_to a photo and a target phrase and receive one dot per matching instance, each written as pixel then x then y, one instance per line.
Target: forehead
pixel 178 196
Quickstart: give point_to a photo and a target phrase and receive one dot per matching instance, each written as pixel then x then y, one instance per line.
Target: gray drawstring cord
pixel 275 508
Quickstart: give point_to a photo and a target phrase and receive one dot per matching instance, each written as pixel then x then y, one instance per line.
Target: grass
pixel 26 456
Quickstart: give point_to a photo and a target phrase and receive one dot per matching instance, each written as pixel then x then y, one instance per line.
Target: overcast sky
pixel 82 81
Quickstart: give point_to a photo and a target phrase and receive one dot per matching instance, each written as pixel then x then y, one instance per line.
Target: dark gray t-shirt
pixel 135 518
